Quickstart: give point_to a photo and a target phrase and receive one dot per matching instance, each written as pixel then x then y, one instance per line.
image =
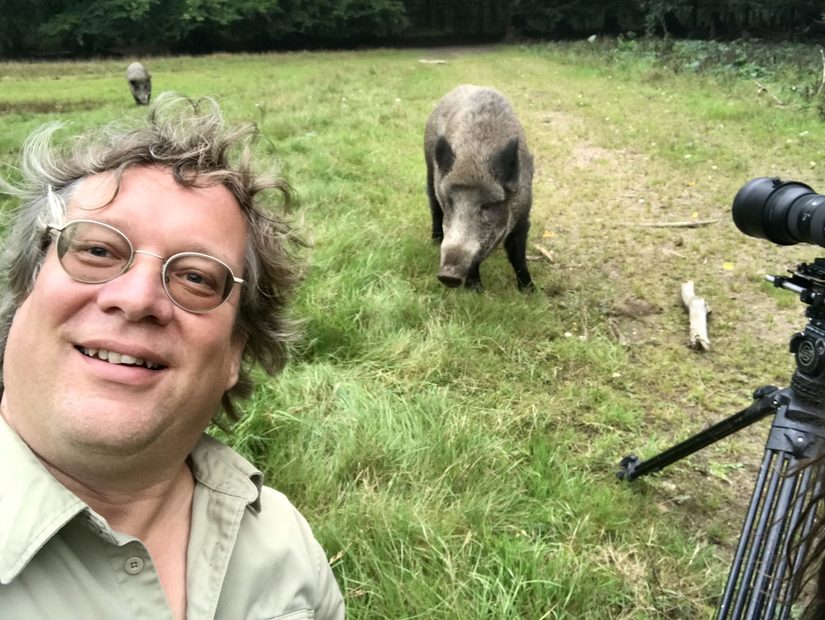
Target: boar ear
pixel 505 164
pixel 444 156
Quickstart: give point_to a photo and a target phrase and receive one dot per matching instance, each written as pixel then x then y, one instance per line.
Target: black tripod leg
pixel 758 585
pixel 745 537
pixel 759 551
pixel 769 400
pixel 780 587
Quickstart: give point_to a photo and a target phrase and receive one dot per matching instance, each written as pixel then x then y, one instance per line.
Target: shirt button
pixel 133 565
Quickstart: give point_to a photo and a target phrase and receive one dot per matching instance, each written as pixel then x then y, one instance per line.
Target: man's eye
pixel 98 251
pixel 193 282
pixel 94 251
pixel 202 280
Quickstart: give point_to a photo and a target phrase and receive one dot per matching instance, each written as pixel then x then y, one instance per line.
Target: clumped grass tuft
pixel 455 451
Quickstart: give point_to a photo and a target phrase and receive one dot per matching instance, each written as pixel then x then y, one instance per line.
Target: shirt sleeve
pixel 330 604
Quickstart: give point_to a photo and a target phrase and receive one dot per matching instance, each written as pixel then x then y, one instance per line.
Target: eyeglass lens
pixel 94 253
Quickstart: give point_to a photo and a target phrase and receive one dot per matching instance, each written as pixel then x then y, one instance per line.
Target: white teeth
pixel 117 358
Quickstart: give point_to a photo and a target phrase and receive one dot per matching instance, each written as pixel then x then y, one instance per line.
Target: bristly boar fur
pixel 140 83
pixel 479 183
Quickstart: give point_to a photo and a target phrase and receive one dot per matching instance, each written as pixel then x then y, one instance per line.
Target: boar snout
pixel 140 92
pixel 450 279
pixel 459 265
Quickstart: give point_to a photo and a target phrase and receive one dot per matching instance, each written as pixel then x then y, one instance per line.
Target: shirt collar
pixel 220 468
pixel 34 506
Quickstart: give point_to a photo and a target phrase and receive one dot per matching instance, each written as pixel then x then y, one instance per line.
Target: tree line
pixel 37 28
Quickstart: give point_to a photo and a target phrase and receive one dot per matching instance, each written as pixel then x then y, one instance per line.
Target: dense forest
pixel 48 28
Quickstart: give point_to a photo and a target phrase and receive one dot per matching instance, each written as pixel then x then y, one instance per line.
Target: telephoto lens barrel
pixel 784 212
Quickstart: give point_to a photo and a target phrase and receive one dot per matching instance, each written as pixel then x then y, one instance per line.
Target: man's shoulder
pixel 276 510
pixel 274 542
pixel 270 515
pixel 276 505
pixel 220 467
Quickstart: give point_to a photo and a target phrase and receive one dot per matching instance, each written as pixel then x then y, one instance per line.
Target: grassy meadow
pixel 456 452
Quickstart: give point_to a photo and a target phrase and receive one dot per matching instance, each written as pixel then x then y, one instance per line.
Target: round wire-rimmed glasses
pixel 93 253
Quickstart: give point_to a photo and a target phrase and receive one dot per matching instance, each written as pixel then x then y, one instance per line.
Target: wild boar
pixel 479 184
pixel 140 83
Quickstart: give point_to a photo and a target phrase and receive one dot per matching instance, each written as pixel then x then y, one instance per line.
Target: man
pixel 143 278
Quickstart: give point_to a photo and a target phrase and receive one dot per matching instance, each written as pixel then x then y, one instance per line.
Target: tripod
pixel 765 573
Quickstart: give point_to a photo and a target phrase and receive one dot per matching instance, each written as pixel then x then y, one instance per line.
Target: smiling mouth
pixel 118 358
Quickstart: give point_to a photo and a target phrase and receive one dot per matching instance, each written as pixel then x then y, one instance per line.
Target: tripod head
pixel 808 346
pixel 809 281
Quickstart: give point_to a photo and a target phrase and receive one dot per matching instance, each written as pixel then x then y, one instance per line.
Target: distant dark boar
pixel 140 83
pixel 479 182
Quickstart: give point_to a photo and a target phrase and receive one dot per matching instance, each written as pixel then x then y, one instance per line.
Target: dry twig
pixel 685 224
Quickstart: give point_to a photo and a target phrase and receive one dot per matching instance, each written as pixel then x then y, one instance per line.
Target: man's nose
pixel 138 292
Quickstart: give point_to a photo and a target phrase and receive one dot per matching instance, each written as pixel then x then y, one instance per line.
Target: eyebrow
pixel 194 246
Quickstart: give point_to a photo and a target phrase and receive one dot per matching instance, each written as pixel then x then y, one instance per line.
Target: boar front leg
pixel 435 207
pixel 516 246
pixel 473 280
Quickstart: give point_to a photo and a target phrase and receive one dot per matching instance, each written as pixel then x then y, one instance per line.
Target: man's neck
pixel 136 507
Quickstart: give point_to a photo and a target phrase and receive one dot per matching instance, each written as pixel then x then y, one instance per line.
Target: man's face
pixel 60 396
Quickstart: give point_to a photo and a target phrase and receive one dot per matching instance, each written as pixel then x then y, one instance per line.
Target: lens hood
pixel 762 209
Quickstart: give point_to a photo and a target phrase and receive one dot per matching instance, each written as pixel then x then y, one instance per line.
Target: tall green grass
pixel 454 451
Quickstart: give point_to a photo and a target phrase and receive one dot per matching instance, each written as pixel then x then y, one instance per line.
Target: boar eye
pixel 490 206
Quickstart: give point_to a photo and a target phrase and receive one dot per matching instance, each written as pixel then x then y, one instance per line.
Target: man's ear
pixel 237 347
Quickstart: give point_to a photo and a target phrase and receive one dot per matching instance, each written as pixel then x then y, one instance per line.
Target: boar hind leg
pixel 435 208
pixel 516 246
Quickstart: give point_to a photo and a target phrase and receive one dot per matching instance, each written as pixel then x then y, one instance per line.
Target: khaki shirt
pixel 251 554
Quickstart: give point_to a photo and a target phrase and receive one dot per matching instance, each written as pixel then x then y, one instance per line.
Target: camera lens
pixel 785 212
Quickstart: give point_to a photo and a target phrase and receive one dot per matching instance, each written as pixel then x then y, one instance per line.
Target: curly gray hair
pixel 191 139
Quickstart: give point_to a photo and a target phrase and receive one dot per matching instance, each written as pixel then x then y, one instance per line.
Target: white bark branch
pixel 686 224
pixel 544 252
pixel 698 312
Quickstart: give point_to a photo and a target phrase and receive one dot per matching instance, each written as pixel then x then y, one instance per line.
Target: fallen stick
pixel 763 89
pixel 545 252
pixel 698 312
pixel 685 224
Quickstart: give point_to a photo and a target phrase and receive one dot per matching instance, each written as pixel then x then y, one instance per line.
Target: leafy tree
pixel 570 17
pixel 94 26
pixel 84 27
pixel 344 19
pixel 17 28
